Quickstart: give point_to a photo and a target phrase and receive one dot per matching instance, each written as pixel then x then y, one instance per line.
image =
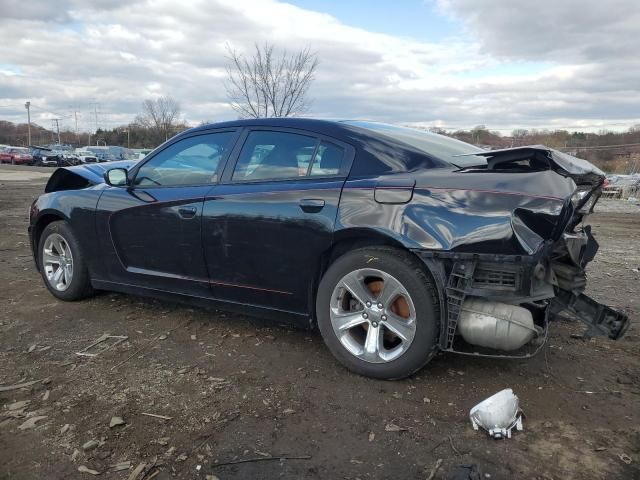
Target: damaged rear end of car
pixel 520 261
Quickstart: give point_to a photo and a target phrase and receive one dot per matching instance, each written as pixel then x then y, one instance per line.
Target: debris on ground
pixel 7 388
pixel 75 455
pixel 262 459
pixel 83 469
pixel 625 458
pixel 90 445
pixel 137 471
pixel 464 472
pixel 435 469
pixel 163 417
pixel 115 421
pixel 112 340
pixel 18 405
pixel 31 423
pixel 121 466
pixel 392 427
pixel 498 414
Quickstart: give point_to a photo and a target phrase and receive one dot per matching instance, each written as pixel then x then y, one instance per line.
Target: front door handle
pixel 187 212
pixel 311 205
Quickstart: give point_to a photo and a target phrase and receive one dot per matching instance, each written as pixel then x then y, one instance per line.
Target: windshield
pixel 439 146
pixel 20 150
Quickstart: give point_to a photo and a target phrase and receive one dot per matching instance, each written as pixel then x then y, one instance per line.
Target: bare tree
pixel 160 116
pixel 267 85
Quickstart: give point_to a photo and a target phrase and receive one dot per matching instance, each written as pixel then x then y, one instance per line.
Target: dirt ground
pixel 239 388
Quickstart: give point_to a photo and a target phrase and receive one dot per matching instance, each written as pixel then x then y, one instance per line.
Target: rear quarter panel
pixel 453 211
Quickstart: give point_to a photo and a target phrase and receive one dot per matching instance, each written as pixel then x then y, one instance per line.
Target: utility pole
pixel 95 113
pixel 27 105
pixel 57 120
pixel 128 130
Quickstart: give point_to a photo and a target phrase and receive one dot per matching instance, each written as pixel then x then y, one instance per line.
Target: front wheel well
pixel 39 227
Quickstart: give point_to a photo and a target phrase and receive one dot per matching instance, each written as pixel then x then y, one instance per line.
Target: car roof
pixel 377 153
pixel 303 123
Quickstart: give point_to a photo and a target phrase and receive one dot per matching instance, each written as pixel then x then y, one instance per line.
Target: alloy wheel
pixel 57 261
pixel 372 315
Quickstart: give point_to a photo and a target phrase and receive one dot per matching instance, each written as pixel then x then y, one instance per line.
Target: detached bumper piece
pixel 498 414
pixel 601 319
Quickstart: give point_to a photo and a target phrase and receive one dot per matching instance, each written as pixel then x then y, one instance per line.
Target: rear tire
pixel 62 265
pixel 379 313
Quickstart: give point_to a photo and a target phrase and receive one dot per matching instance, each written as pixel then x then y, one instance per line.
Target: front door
pixel 150 232
pixel 267 224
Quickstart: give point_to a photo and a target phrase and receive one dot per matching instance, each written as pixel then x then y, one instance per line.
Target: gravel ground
pixel 239 388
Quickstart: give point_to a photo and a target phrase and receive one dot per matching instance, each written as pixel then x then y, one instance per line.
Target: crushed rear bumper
pixel 550 283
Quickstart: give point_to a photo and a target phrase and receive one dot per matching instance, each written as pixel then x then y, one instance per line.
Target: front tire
pixel 62 264
pixel 379 313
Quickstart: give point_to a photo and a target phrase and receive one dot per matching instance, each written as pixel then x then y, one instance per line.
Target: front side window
pixel 192 161
pixel 282 155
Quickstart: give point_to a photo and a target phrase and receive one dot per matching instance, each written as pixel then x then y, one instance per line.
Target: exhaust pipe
pixel 496 325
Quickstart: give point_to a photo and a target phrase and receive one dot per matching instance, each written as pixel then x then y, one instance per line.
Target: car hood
pixel 81 176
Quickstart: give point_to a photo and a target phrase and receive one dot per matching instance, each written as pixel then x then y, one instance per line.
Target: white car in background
pixel 86 156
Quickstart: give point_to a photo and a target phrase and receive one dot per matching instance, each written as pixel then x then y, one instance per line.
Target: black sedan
pixel 395 243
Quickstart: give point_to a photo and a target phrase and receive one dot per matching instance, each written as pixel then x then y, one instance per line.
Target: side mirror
pixel 117 177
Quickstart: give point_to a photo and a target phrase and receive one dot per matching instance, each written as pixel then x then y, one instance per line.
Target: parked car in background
pixel 622 186
pixel 45 157
pixel 86 156
pixel 395 243
pixel 69 158
pixel 16 156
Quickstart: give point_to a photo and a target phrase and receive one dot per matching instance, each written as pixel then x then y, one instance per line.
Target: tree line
pixel 613 152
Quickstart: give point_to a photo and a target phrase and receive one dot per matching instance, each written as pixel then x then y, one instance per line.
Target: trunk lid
pixel 540 157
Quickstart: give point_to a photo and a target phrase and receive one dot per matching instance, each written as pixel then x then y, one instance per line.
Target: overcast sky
pixel 571 64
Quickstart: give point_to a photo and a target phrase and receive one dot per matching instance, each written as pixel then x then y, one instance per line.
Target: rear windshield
pixel 439 146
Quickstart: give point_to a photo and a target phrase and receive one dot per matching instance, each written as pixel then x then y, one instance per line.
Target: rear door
pixel 150 232
pixel 267 223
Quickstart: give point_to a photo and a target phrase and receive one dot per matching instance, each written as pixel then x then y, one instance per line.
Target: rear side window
pixel 282 155
pixel 328 160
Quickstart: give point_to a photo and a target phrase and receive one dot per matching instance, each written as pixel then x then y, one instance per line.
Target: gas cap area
pixel 394 191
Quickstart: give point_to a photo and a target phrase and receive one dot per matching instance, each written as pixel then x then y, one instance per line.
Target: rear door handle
pixel 311 205
pixel 187 212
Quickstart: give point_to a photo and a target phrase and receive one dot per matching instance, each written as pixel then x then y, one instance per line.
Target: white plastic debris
pixel 498 414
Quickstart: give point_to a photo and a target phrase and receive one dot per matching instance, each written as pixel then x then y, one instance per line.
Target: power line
pixel 603 147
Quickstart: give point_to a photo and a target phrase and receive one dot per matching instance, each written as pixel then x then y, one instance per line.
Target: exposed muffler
pixel 496 325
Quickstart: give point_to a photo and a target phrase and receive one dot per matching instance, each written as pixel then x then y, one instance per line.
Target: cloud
pixel 508 68
pixel 575 31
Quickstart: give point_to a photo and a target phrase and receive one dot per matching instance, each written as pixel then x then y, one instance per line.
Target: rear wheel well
pixel 39 227
pixel 344 245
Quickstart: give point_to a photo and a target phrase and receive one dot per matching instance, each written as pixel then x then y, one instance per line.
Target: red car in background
pixel 16 156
